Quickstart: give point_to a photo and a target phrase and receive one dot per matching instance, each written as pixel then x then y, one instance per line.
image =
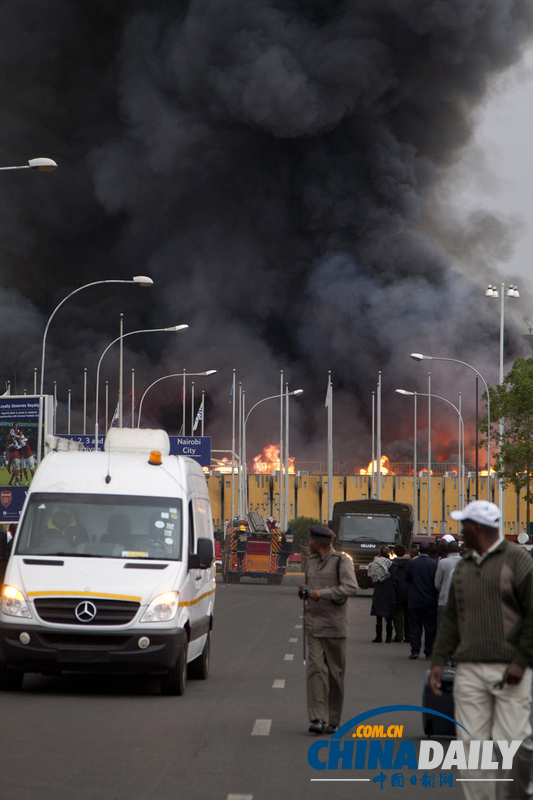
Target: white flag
pixel 115 416
pixel 198 416
pixel 328 394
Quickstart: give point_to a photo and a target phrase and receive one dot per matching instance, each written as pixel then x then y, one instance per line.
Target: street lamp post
pixel 415 465
pixel 420 357
pixel 493 293
pixel 141 280
pixel 42 164
pixel 461 463
pixel 174 375
pixel 172 329
pixel 294 393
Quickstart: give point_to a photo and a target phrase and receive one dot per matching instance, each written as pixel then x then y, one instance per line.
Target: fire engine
pixel 256 548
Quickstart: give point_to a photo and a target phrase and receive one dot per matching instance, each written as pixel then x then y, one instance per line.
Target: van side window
pixel 192 543
pixel 202 518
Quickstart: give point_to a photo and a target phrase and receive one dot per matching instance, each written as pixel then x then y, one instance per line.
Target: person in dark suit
pixel 422 602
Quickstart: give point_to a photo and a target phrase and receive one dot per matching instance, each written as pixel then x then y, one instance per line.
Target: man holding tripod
pixel 329 581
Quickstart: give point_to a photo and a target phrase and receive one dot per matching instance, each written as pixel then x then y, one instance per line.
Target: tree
pixel 300 529
pixel 512 402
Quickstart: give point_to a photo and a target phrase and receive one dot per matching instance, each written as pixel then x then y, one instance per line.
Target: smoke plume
pixel 274 166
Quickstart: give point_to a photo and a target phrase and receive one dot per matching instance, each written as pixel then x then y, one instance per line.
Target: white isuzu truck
pixel 112 567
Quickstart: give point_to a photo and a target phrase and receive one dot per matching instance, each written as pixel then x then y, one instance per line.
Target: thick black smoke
pixel 273 166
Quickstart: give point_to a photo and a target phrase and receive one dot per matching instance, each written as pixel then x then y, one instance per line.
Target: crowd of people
pixel 410 591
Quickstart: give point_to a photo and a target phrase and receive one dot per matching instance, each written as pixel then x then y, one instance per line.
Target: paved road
pixel 232 736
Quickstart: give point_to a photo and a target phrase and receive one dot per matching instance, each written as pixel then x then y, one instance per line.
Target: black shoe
pixel 397 640
pixel 414 655
pixel 376 640
pixel 317 726
pixel 388 640
pixel 331 729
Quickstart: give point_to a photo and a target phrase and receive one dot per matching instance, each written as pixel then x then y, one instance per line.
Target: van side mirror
pixel 5 548
pixel 206 553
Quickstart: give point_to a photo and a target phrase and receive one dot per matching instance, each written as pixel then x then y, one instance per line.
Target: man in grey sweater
pixel 487 625
pixel 443 576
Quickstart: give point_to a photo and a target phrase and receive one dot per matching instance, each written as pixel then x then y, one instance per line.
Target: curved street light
pixel 141 280
pixel 461 461
pixel 174 328
pixel 174 375
pixel 294 393
pixel 501 294
pixel 42 164
pixel 420 357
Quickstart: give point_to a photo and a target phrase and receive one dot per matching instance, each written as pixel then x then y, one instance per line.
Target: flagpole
pixel 429 526
pixel 133 398
pixel 203 412
pixel 286 506
pixel 35 380
pixel 69 407
pixel 192 408
pixel 378 464
pixel 233 449
pixel 330 449
pixel 183 404
pixel 120 370
pixel 245 465
pixel 280 479
pixel 106 406
pixel 55 408
pixel 240 482
pixel 85 401
pixel 373 460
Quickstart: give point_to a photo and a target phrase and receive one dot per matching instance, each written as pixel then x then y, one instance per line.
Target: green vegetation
pixel 512 402
pixel 300 528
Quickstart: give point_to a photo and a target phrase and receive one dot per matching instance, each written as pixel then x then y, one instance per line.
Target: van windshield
pixel 380 527
pixel 110 526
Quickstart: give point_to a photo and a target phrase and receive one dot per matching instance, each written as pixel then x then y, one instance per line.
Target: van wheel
pixel 173 683
pixel 199 668
pixel 11 680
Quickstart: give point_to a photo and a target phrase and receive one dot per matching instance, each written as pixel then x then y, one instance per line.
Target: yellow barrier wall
pixel 308 496
pixel 357 487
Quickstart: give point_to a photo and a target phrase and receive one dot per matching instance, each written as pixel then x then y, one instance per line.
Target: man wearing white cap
pixel 487 625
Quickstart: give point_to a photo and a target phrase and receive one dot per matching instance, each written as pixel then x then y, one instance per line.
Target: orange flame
pixel 223 465
pixel 484 472
pixel 268 461
pixel 384 469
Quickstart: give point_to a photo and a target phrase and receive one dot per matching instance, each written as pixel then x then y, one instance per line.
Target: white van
pixel 112 567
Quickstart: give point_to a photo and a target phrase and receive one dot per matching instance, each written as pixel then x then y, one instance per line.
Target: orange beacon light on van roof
pixel 155 458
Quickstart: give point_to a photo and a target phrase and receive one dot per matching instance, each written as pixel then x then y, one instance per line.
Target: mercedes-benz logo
pixel 86 611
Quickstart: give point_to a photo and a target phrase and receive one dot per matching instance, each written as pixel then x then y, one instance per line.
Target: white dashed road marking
pixel 262 727
pixel 279 683
pixel 293 640
pixel 298 626
pixel 289 657
pixel 240 797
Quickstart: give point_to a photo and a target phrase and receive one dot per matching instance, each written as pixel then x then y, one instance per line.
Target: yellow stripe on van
pixel 193 602
pixel 85 594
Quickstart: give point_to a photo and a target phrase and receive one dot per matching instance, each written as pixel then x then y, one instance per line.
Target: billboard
pixel 19 426
pixel 197 447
